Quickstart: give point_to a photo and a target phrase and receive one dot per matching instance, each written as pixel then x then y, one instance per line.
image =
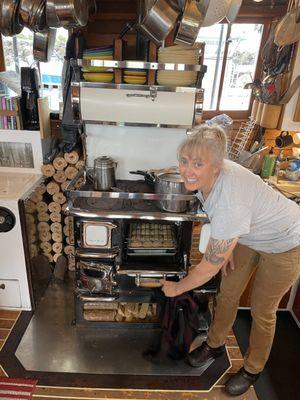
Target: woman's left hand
pixel 169 288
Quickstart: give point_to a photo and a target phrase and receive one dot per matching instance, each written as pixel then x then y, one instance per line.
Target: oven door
pixel 97 235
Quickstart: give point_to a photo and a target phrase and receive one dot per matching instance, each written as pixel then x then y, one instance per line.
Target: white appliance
pixel 16 182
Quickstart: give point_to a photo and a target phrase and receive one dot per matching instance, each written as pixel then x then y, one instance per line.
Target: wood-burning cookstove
pixel 124 246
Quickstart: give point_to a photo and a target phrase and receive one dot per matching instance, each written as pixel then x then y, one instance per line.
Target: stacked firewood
pixel 56 230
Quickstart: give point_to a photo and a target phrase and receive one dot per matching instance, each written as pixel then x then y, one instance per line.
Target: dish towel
pixel 18 389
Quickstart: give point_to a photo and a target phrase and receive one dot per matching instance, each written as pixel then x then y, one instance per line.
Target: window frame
pixel 239 114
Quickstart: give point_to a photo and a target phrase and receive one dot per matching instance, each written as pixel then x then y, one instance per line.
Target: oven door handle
pixel 82 254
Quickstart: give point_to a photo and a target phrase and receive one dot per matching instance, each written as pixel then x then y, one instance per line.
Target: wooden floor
pixel 8 319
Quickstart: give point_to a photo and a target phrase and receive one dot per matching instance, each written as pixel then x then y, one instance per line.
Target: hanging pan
pixel 159 21
pixel 43 44
pixel 216 11
pixel 233 10
pixel 191 20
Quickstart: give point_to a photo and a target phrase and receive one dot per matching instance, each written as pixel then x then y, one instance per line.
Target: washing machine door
pixel 7 220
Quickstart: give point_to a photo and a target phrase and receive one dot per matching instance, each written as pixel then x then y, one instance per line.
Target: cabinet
pixel 10 293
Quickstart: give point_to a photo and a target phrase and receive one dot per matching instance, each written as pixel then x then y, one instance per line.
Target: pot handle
pixel 149 177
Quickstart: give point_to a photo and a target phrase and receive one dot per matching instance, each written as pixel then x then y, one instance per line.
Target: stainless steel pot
pixel 170 183
pixel 67 13
pixel 193 15
pixel 159 21
pixel 104 173
pixel 10 23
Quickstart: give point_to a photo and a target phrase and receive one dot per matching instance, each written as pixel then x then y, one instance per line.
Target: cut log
pixel 41 189
pixel 33 250
pixel 44 236
pixel 69 250
pixel 72 157
pixel 71 172
pixel 66 230
pixel 46 247
pixel 59 198
pixel 53 187
pixel 55 256
pixel 59 162
pixel 56 237
pixel 43 216
pixel 57 247
pixel 60 177
pixel 49 256
pixel 70 240
pixel 55 217
pixel 78 183
pixel 48 170
pixel 29 219
pixel 54 207
pixel 80 164
pixel 64 185
pixel 64 207
pixel 43 226
pixel 68 220
pixel 41 206
pixel 36 197
pixel 31 238
pixel 56 227
pixel 30 207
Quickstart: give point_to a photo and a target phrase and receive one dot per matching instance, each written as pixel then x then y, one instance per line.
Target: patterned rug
pixel 13 388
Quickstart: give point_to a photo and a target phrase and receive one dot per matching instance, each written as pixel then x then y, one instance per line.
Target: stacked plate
pixel 135 76
pixel 178 54
pixel 98 74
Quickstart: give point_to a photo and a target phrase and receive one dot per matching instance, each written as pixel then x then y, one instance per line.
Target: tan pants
pixel 275 274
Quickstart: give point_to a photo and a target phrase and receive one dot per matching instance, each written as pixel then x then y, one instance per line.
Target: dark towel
pixel 179 321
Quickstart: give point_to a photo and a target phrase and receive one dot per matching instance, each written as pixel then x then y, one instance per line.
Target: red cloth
pixel 14 388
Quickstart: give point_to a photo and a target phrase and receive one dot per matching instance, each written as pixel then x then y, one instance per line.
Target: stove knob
pixel 7 220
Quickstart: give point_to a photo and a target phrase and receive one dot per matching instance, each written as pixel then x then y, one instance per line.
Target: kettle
pixel 104 173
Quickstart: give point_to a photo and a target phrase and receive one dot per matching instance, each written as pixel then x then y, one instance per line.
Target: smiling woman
pixel 254 228
pixel 201 158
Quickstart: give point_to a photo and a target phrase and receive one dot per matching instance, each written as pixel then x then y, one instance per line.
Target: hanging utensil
pixel 287 30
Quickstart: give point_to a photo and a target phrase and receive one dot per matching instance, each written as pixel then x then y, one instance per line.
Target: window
pixel 231 54
pixel 18 53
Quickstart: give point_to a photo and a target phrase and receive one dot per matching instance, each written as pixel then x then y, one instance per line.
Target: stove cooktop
pixel 97 204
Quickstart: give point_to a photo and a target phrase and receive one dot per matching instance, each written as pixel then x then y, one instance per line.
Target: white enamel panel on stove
pixel 133 147
pixel 111 105
pixel 96 235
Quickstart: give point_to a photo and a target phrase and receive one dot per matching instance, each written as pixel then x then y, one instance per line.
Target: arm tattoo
pixel 215 250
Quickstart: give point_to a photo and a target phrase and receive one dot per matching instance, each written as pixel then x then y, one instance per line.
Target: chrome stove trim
pixel 160 216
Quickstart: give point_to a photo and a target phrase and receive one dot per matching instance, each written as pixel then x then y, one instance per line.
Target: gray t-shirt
pixel 242 205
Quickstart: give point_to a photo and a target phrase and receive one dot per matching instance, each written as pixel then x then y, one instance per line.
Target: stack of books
pixel 10 113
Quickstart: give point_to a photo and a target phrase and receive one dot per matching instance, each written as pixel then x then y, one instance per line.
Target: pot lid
pixel 104 161
pixel 171 177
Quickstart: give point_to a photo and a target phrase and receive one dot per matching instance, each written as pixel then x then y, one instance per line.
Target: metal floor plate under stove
pixel 52 343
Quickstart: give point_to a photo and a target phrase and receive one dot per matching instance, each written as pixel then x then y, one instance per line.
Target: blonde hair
pixel 211 138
